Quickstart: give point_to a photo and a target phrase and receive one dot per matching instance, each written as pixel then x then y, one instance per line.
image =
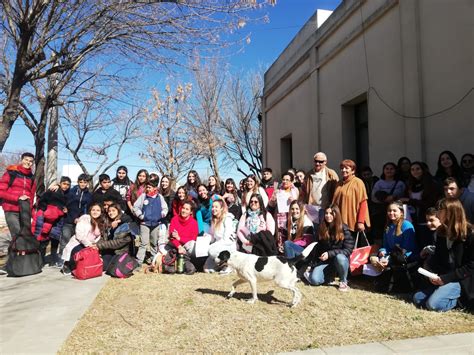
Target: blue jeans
pixel 322 273
pixel 439 298
pixel 292 250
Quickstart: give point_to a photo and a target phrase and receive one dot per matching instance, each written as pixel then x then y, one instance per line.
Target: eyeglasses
pixel 319 161
pixel 254 201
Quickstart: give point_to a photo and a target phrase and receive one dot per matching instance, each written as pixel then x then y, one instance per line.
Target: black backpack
pixel 24 256
pixel 122 266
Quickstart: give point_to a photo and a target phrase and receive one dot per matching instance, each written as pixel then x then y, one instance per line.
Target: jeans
pixel 148 236
pixel 439 298
pixel 66 233
pixel 292 250
pixel 322 273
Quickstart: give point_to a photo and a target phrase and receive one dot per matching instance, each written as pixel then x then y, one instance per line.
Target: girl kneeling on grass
pixel 183 234
pixel 89 229
pixel 300 230
pixel 453 260
pixel 335 244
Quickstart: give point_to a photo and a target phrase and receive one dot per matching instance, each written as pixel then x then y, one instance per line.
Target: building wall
pixel 419 60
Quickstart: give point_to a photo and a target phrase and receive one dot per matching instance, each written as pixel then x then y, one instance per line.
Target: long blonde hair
pixel 216 222
pixel 299 222
pixel 398 222
pixel 455 227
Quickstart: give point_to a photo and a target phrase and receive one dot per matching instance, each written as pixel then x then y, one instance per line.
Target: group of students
pixel 406 206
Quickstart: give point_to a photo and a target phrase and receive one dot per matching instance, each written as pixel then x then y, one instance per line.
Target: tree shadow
pixel 264 297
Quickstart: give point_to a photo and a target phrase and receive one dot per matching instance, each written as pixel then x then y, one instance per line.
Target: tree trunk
pixel 10 112
pixel 52 161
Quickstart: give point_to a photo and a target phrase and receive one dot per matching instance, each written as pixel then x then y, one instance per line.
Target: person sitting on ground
pixel 223 235
pixel 90 228
pixel 115 243
pixel 183 234
pixel 331 254
pixel 150 208
pixel 453 261
pixel 300 230
pixel 256 229
pixel 398 240
pixel 232 199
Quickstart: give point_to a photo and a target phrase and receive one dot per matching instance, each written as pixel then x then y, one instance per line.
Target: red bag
pixel 89 264
pixel 360 256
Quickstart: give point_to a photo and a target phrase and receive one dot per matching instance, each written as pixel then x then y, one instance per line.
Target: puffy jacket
pixel 22 184
pixel 50 211
pixel 78 202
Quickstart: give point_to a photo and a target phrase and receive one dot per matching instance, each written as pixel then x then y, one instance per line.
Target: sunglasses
pixel 253 201
pixel 319 161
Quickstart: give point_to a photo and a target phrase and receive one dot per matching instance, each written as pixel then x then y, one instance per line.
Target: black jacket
pixel 463 269
pixel 333 247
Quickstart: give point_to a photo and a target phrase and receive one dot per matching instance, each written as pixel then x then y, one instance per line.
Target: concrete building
pixel 369 85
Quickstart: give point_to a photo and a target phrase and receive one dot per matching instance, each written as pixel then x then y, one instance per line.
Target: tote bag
pixel 360 256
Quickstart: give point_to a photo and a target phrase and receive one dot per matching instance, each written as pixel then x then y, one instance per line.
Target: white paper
pixel 283 201
pixel 202 245
pixel 427 273
pixel 312 212
pixel 370 270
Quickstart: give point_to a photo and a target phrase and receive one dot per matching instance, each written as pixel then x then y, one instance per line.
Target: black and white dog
pixel 251 268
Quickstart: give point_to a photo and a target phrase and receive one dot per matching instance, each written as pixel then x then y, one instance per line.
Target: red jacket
pixel 187 229
pixel 23 184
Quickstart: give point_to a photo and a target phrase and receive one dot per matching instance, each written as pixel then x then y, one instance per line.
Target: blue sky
pixel 268 40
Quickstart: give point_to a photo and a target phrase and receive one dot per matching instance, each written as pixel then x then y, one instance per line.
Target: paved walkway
pixel 459 344
pixel 38 312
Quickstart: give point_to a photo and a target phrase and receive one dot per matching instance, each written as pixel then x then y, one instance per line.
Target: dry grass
pixel 178 313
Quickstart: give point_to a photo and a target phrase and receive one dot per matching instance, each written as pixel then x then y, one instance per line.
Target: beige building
pixel 369 85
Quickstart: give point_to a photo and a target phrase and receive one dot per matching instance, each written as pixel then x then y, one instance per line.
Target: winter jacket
pixel 333 247
pixel 406 240
pixel 78 202
pixel 22 183
pixel 50 210
pixel 462 268
pixel 85 235
pixel 150 209
pixel 118 239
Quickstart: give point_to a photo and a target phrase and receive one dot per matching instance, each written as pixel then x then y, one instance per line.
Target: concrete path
pixel 38 312
pixel 459 344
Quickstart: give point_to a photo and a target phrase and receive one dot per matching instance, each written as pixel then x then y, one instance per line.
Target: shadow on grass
pixel 266 297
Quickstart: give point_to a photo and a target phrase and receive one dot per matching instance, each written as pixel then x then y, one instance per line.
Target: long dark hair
pixel 456 170
pixel 299 222
pixel 333 230
pixel 263 210
pixel 136 185
pixel 197 181
pixel 125 180
pixel 395 177
pixel 169 190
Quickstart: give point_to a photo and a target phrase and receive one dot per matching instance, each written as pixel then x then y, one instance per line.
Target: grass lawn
pixel 179 313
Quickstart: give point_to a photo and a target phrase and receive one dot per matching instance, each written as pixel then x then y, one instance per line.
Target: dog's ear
pixel 224 255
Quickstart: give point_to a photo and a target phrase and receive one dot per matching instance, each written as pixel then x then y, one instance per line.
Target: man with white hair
pixel 320 183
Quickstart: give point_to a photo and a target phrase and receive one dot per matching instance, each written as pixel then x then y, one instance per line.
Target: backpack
pixel 121 266
pixel 168 262
pixel 24 256
pixel 89 264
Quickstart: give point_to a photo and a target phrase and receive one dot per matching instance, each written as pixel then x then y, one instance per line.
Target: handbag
pixel 89 264
pixel 360 256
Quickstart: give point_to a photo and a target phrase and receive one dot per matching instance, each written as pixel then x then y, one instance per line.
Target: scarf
pixel 253 221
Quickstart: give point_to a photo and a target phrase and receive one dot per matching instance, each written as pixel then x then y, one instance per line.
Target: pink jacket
pixel 84 235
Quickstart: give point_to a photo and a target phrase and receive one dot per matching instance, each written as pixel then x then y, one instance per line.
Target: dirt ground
pixel 179 313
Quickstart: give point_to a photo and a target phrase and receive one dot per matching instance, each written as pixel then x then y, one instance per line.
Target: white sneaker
pixel 228 270
pixel 307 275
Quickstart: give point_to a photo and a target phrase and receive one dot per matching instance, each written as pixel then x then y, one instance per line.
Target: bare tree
pixel 240 123
pixel 204 120
pixel 91 132
pixel 47 37
pixel 7 159
pixel 165 132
